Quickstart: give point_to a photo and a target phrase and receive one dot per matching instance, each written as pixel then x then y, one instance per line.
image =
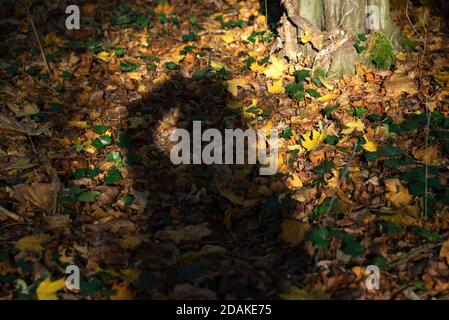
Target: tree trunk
pixel 321 33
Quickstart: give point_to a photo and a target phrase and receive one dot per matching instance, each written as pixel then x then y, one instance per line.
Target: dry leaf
pixel 32 243
pixel 276 88
pixel 47 289
pixel 122 291
pixel 188 233
pixel 234 84
pixel 354 125
pixel 294 182
pixel 399 83
pixel 38 195
pixel 370 145
pixel 312 139
pixel 430 156
pixel 444 252
pixel 293 231
pixel 397 193
pixel 228 194
pixel 276 69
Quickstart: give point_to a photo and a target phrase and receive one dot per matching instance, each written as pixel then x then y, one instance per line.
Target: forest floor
pixel 86 177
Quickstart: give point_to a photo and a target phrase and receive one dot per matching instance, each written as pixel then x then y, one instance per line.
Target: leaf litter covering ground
pixel 86 177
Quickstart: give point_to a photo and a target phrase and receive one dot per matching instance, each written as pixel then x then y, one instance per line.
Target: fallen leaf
pixel 429 156
pixel 187 233
pixel 276 88
pixel 228 37
pixel 306 37
pixel 122 291
pixel 276 69
pixel 104 56
pixel 32 243
pixel 316 293
pixel 256 67
pixel 354 125
pixel 397 193
pixel 399 83
pixel 294 182
pixel 234 84
pixel 47 289
pixel 444 252
pixel 38 195
pixel 228 194
pixel 327 97
pixel 312 139
pixel 370 145
pixel 294 232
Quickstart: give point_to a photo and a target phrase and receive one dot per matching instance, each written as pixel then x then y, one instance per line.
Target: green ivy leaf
pixel 127 66
pixel 113 176
pixel 172 66
pixel 88 196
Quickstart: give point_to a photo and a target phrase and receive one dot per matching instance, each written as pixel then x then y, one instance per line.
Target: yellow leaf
pixel 276 88
pixel 250 115
pixel 52 39
pixel 397 193
pixel 135 75
pixel 429 156
pixel 47 289
pixel 32 243
pixel 234 84
pixel 78 124
pixel 228 194
pixel 312 139
pixel 294 182
pixel 316 293
pixel 228 38
pixel 306 37
pixel 444 252
pixel 401 219
pixel 327 97
pixel 142 88
pixel 401 56
pixel 256 67
pixel 131 241
pixel 217 65
pixel 165 7
pixel 122 291
pixel 236 105
pixel 370 145
pixel 355 125
pixel 293 231
pixel 267 127
pixel 104 56
pixel 441 77
pixel 276 69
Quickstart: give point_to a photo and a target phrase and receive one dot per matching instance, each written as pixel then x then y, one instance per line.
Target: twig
pixel 417 251
pixel 409 20
pixel 37 39
pixel 426 174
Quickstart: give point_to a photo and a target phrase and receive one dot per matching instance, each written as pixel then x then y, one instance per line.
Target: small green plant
pixel 381 52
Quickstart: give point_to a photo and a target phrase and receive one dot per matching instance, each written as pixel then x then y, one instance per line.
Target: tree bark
pixel 333 26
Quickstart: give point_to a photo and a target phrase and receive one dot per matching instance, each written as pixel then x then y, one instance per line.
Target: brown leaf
pixel 293 231
pixel 399 83
pixel 187 233
pixel 38 195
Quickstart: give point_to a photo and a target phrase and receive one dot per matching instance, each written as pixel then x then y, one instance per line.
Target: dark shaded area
pixel 251 260
pixel 275 10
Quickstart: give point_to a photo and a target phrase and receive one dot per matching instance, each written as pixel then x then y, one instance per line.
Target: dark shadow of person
pixel 213 230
